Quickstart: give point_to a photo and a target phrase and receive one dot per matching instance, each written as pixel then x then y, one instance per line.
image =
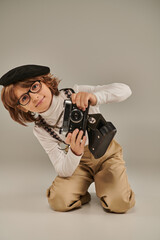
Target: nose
pixel 34 96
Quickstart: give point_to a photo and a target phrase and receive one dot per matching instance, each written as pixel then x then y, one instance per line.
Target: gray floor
pixel 25 214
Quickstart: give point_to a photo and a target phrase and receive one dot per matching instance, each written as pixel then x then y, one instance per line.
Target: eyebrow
pixel 25 85
pixel 21 94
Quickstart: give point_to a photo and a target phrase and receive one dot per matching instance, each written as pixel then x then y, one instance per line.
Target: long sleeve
pixel 64 163
pixel 115 92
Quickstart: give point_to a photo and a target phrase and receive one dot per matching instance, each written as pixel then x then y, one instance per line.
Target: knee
pixel 118 203
pixel 58 201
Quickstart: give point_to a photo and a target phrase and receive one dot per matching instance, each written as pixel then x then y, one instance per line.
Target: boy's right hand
pixel 76 142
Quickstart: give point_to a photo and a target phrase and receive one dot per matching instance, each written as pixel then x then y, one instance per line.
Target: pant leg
pixel 111 182
pixel 71 192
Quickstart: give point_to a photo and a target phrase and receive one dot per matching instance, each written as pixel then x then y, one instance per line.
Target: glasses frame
pixel 18 102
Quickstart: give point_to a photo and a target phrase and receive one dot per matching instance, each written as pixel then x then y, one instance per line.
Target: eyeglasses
pixel 25 98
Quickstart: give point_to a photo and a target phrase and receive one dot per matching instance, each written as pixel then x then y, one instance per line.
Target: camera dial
pixel 76 116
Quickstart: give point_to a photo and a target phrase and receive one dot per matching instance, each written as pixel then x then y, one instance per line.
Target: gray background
pixel 84 42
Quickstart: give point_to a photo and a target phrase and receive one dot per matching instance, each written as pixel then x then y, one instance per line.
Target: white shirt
pixel 66 163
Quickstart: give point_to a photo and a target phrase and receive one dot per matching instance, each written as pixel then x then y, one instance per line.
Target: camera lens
pixel 76 116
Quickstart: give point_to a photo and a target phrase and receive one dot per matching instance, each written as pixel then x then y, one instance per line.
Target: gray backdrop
pixel 87 42
pixel 84 42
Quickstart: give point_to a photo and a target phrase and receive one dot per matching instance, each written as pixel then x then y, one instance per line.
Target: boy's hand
pixel 81 99
pixel 76 142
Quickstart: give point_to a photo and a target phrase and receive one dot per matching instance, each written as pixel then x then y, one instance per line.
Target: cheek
pixel 48 94
pixel 29 107
pixel 24 109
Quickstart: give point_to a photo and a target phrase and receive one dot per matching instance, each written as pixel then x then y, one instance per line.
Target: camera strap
pixel 49 128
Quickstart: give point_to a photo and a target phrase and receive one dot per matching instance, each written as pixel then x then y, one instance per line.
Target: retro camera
pixel 100 132
pixel 74 118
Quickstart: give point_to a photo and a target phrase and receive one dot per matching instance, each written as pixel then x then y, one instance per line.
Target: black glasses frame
pixel 18 102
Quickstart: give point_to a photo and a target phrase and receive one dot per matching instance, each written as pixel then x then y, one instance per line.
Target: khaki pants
pixel 109 175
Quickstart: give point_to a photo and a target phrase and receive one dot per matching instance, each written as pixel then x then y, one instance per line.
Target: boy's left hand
pixel 81 99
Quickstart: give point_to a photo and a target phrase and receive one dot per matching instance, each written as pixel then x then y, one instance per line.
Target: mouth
pixel 39 102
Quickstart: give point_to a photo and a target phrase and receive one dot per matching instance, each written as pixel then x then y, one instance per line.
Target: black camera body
pixel 74 118
pixel 100 132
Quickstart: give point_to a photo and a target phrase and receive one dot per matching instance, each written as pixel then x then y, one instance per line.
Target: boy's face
pixel 39 102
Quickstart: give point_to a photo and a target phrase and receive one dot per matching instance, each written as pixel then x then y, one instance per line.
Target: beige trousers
pixel 111 183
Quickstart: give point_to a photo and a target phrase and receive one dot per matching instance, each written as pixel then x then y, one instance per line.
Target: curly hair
pixel 9 98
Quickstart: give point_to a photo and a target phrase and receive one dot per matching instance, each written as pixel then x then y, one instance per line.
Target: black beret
pixel 23 72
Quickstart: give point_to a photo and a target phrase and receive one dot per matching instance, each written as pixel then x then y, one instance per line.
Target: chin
pixel 44 109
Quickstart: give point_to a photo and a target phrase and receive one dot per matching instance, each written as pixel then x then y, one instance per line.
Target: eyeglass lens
pixel 25 98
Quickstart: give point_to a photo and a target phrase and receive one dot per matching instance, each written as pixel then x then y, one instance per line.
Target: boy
pixel 30 90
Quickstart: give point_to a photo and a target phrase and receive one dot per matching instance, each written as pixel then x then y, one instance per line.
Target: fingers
pixel 83 142
pixel 68 138
pixel 74 136
pixel 81 100
pixel 76 141
pixel 71 137
pixel 73 97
